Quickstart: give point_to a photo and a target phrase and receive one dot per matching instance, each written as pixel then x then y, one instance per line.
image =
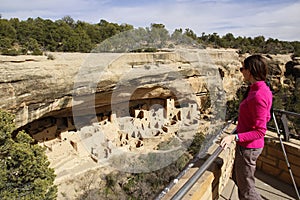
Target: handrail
pixel 287 112
pixel 189 184
pixel 188 167
pixel 284 121
pixel 285 156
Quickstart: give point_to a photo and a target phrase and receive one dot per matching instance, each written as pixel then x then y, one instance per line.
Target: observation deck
pixel 273 176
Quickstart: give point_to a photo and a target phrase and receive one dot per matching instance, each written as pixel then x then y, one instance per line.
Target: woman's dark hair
pixel 257 66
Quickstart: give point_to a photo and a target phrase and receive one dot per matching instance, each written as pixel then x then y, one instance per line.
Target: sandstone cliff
pixel 33 87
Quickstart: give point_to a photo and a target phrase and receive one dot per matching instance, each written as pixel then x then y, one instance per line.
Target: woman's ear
pixel 251 77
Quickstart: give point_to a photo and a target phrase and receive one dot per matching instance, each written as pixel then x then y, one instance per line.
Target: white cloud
pixel 246 18
pixel 273 21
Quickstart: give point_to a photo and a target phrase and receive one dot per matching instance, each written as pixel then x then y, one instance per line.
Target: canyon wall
pixel 34 87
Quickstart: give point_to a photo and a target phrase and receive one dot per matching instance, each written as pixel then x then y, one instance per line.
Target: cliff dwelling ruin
pixel 86 121
pixel 151 122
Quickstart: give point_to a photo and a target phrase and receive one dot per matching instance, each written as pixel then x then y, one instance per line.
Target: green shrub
pixel 10 52
pixel 24 167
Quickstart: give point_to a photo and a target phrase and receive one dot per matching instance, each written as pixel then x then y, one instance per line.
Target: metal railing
pixel 284 121
pixel 199 172
pixel 189 184
pixel 285 156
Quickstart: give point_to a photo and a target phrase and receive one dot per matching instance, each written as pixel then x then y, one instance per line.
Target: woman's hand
pixel 226 141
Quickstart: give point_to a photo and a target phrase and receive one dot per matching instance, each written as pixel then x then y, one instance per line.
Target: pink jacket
pixel 254 113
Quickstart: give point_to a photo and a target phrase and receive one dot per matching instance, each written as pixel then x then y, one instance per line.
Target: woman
pixel 254 113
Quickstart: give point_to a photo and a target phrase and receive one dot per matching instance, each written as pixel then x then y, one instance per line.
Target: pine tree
pixel 24 167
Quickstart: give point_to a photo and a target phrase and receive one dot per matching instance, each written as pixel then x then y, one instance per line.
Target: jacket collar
pixel 257 85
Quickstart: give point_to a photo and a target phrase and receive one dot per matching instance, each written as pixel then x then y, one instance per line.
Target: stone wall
pixel 272 160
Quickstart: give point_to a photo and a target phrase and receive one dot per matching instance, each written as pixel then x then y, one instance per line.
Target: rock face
pixel 35 88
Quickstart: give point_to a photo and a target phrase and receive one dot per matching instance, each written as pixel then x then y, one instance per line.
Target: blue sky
pixel 271 18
